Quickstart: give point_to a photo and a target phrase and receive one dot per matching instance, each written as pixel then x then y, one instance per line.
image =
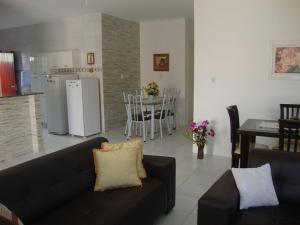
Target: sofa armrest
pixel 163 168
pixel 220 203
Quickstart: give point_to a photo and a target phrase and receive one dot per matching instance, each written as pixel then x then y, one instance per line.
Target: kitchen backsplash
pixel 77 70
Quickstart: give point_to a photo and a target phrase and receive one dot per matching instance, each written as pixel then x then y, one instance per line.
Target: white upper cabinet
pixel 64 59
pixel 39 64
pixel 42 63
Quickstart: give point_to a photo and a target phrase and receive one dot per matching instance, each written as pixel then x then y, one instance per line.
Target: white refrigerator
pixel 83 106
pixel 56 102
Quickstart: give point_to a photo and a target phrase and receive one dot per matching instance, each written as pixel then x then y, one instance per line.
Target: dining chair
pixel 289 111
pixel 174 94
pixel 289 135
pixel 125 100
pixel 234 137
pixel 162 114
pixel 139 91
pixel 137 118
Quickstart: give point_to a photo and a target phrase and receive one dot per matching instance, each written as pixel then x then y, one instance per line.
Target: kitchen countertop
pixel 35 93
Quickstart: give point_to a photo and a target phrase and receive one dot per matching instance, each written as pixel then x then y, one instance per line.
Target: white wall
pixel 232 45
pixel 165 36
pixel 189 80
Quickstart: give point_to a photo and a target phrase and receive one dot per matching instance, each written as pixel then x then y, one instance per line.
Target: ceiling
pixel 14 13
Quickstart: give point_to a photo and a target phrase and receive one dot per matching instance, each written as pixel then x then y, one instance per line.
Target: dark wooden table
pixel 248 131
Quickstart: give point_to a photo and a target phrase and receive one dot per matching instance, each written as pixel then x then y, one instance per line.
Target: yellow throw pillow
pixel 116 169
pixel 134 143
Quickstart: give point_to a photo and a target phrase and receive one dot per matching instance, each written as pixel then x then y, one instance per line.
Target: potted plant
pixel 152 89
pixel 198 133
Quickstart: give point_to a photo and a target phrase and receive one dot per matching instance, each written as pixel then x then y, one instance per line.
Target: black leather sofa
pixel 57 189
pixel 220 204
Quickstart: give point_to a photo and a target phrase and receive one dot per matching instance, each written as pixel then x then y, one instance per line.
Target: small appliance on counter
pixel 24 79
pixel 83 106
pixel 23 73
pixel 56 102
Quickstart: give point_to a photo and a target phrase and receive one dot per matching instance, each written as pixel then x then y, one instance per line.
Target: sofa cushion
pixel 279 215
pixel 126 206
pixel 137 143
pixel 116 169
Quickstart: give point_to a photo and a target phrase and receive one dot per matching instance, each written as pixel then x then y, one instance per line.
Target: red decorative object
pixel 161 62
pixel 7 75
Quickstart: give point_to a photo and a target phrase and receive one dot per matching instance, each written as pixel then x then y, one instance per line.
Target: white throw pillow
pixel 255 186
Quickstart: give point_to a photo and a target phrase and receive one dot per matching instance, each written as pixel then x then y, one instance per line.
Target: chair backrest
pixel 125 97
pixel 126 103
pixel 234 123
pixel 174 94
pixel 289 111
pixel 135 107
pixel 289 135
pixel 176 99
pixel 165 107
pixel 139 91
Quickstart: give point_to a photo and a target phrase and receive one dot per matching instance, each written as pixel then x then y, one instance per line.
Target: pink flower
pixel 193 125
pixel 212 133
pixel 205 123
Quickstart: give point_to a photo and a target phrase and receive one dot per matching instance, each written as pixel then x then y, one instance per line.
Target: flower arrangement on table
pixel 198 133
pixel 152 89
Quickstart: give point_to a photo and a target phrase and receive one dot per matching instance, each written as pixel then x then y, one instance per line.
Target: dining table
pixel 252 128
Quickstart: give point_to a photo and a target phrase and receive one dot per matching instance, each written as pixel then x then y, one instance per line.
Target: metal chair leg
pixel 174 122
pixel 160 126
pixel 129 130
pixel 144 131
pixel 141 129
pixel 126 127
pixel 168 125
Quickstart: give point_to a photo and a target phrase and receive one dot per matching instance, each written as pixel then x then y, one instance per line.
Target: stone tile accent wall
pixel 121 66
pixel 20 126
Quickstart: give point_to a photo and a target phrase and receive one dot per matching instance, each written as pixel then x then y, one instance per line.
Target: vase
pixel 151 97
pixel 200 152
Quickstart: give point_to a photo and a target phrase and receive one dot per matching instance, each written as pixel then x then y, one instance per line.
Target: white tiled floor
pixel 193 177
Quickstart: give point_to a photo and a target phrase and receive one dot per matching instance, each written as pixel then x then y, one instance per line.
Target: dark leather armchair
pixel 220 204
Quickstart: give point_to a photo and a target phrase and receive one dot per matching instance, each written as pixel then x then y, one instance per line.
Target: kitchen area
pixel 45 94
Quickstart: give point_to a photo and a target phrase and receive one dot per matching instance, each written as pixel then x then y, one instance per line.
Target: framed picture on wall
pixel 161 62
pixel 90 58
pixel 285 61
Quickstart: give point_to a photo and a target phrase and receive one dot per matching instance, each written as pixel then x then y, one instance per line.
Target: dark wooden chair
pixel 234 137
pixel 289 135
pixel 289 111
